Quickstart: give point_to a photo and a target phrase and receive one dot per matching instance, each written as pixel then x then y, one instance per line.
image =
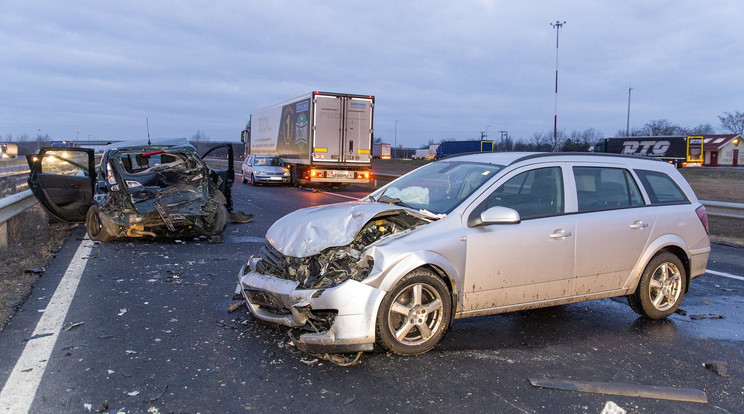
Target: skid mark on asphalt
pixel 724 274
pixel 19 390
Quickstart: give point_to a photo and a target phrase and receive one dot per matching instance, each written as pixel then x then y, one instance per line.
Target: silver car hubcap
pixel 665 286
pixel 416 314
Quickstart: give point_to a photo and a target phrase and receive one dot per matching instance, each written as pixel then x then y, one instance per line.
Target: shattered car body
pixel 142 189
pixel 475 235
pixel 303 267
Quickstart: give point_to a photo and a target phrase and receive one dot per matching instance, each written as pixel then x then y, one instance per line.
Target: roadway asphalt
pixel 156 337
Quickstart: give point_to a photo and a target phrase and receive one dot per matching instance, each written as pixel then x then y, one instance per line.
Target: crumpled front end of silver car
pixel 323 294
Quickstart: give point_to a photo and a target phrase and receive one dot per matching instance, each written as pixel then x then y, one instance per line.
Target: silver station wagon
pixel 478 234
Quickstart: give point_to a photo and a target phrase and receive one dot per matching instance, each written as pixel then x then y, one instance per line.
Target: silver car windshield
pixel 273 162
pixel 438 187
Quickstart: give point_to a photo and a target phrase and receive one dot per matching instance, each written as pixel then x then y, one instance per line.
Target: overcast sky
pixel 441 69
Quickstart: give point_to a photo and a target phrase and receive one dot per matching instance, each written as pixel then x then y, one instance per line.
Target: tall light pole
pixel 557 26
pixel 627 123
pixel 396 139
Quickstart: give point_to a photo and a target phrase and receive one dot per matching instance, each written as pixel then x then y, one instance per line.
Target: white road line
pixel 724 274
pixel 20 389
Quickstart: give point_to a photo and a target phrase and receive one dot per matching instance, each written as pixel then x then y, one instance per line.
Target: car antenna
pixel 148 130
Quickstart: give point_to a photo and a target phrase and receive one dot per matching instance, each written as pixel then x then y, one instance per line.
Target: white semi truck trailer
pixel 325 138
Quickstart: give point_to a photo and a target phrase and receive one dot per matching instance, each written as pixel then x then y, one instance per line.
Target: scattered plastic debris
pixel 133 393
pixel 105 336
pixel 225 325
pixel 157 397
pixel 130 352
pixel 235 306
pixel 37 336
pixel 309 362
pixel 343 360
pixel 719 367
pixel 707 316
pixel 612 408
pixel 72 325
pixel 88 406
pixel 122 311
pixel 111 371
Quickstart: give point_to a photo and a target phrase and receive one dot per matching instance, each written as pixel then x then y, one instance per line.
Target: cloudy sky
pixel 441 69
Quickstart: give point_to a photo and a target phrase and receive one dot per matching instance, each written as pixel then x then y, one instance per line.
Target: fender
pixel 663 241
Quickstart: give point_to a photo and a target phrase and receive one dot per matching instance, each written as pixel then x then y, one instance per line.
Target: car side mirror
pixel 498 215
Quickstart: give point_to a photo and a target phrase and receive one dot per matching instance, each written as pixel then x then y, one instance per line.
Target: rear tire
pixel 415 315
pixel 661 288
pixel 95 228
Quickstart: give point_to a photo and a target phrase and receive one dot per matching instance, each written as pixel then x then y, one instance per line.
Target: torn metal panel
pixel 629 390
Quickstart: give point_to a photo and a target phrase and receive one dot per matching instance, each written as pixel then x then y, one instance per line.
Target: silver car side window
pixel 602 188
pixel 534 193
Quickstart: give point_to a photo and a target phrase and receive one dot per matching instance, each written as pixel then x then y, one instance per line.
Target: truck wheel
pixel 95 228
pixel 661 287
pixel 415 314
pixel 293 181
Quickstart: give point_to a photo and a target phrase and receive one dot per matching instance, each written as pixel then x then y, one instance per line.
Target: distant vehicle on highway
pixel 679 150
pixel 474 235
pixel 447 148
pixel 8 150
pixel 265 169
pixel 139 189
pixel 381 151
pixel 324 137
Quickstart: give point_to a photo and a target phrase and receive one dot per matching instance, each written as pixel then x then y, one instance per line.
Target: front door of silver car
pixel 511 264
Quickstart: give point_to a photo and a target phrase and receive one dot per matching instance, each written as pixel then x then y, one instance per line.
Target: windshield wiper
pixel 391 200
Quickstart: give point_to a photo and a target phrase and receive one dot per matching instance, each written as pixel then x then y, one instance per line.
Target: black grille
pixel 272 262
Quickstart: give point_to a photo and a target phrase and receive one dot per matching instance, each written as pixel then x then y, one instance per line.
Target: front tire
pixel 244 180
pixel 415 314
pixel 253 179
pixel 661 287
pixel 95 228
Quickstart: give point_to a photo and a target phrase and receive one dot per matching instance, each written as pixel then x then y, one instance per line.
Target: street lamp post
pixel 396 139
pixel 627 123
pixel 557 26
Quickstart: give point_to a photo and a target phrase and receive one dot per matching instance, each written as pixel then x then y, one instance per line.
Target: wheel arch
pixel 435 262
pixel 667 243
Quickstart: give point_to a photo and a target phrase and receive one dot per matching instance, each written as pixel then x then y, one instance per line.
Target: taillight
pixel 703 216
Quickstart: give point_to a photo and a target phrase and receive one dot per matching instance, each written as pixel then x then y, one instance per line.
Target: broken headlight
pixel 327 269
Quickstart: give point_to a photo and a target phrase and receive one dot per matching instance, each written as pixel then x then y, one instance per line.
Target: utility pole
pixel 557 26
pixel 627 123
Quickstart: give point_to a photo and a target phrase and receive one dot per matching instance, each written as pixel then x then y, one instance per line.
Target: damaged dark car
pixel 137 189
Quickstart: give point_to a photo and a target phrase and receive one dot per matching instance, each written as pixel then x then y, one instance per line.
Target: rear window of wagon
pixel 661 188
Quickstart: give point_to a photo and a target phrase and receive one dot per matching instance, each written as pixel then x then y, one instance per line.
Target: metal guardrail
pixel 723 209
pixel 9 207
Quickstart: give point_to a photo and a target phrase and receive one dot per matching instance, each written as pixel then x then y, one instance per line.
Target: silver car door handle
pixel 638 225
pixel 560 234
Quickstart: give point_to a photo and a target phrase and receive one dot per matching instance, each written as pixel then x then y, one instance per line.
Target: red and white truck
pixel 324 137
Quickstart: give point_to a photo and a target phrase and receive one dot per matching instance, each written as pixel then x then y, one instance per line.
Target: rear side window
pixel 600 188
pixel 661 188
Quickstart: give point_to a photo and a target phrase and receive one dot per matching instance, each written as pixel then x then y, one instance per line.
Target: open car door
pixel 63 180
pixel 227 175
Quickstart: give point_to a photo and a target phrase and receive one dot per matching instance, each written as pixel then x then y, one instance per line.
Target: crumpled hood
pixel 309 231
